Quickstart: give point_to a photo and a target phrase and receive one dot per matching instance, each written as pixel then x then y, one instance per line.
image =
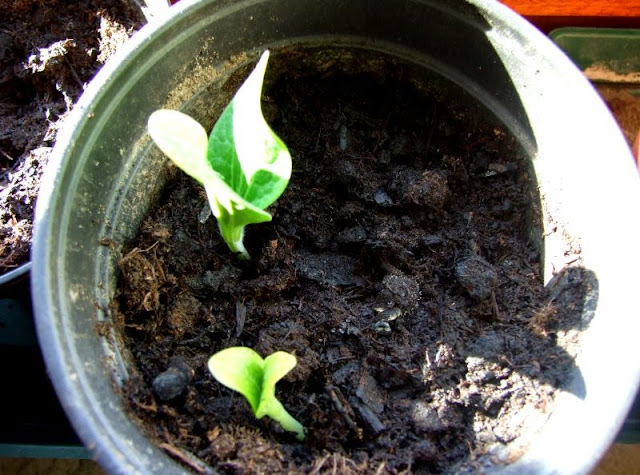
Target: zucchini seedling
pixel 243 165
pixel 243 370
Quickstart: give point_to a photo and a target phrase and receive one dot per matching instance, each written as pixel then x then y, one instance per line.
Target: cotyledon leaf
pixel 240 369
pixel 244 371
pixel 183 140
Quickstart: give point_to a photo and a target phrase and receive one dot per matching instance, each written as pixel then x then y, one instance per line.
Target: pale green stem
pixel 232 232
pixel 276 411
pixel 233 235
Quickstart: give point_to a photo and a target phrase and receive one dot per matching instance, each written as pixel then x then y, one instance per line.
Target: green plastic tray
pixel 604 54
pixel 33 423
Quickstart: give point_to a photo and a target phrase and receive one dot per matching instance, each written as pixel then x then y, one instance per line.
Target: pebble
pixel 371 421
pixel 425 189
pixel 382 198
pixel 214 279
pixel 328 269
pixel 403 290
pixel 369 393
pixel 172 382
pixel 382 328
pixel 426 418
pixel 204 214
pixel 432 240
pixel 343 137
pixel 477 277
pixel 226 277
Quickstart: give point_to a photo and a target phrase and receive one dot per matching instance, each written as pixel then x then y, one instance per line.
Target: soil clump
pixel 49 51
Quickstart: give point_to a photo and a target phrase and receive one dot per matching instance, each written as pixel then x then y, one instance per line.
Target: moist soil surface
pixel 402 268
pixel 48 53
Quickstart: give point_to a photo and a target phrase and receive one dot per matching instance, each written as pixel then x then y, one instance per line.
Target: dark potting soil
pixel 48 53
pixel 402 268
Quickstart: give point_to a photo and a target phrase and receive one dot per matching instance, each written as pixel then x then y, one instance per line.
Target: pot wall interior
pixel 192 62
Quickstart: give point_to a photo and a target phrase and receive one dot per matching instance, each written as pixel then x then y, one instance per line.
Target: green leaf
pixel 243 149
pixel 240 369
pixel 243 165
pixel 183 140
pixel 243 370
pixel 276 367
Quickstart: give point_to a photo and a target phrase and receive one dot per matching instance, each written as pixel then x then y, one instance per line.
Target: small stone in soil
pixel 327 269
pixel 477 277
pixel 432 240
pixel 204 214
pixel 172 382
pixel 382 198
pixel 403 290
pixel 371 421
pixel 345 372
pixel 426 418
pixel 426 189
pixel 382 328
pixel 215 280
pixel 352 235
pixel 343 136
pixel 369 392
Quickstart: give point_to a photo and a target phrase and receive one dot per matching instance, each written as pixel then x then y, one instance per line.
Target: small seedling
pixel 243 165
pixel 243 370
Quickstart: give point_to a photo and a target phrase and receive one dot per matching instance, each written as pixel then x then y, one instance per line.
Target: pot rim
pixel 15 275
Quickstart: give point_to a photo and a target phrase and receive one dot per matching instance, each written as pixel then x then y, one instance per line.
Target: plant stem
pixel 232 232
pixel 234 237
pixel 278 413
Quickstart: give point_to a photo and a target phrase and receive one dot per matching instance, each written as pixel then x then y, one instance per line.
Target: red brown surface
pixel 592 8
pixel 548 15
